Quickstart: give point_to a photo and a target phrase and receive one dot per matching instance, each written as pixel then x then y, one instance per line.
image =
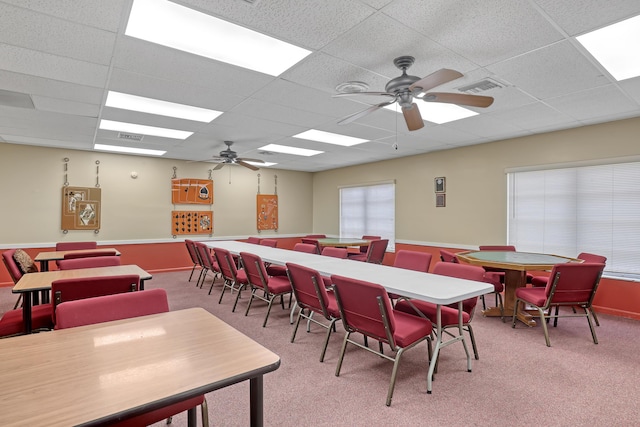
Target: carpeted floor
pixel 517 381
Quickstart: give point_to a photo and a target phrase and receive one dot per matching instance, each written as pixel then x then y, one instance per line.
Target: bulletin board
pixel 191 191
pixel 267 211
pixel 81 208
pixel 191 222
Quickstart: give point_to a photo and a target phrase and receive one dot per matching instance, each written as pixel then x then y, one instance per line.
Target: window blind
pixel 581 209
pixel 368 210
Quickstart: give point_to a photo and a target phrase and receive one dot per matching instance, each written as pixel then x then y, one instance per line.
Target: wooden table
pixel 439 290
pixel 95 374
pixel 342 242
pixel 30 284
pixel 44 257
pixel 515 266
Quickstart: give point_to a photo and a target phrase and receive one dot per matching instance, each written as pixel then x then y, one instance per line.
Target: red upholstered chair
pixel 272 243
pixel 234 279
pixel 313 241
pixel 15 270
pixel 281 270
pixel 449 314
pixel 254 240
pixel 365 308
pixel 312 297
pixel 191 249
pixel 363 249
pixel 503 248
pixel 316 236
pixel 411 260
pixel 375 252
pixel 263 286
pixel 11 322
pixel 91 262
pixel 335 252
pixel 208 262
pixel 572 285
pixel 91 253
pixel 63 290
pixel 74 246
pixel 448 256
pixel 90 311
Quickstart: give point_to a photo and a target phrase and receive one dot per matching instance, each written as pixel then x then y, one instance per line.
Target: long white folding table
pixel 436 289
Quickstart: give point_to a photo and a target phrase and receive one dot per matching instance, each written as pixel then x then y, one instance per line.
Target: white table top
pixel 413 284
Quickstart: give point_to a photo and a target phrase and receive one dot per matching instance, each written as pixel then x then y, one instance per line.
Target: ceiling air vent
pixel 481 86
pixel 15 99
pixel 130 136
pixel 252 2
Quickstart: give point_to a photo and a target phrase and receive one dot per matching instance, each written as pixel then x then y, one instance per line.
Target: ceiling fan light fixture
pixel 352 87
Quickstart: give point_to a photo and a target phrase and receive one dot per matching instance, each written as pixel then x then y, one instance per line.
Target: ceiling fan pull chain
pixel 97 173
pixel 66 169
pixel 174 173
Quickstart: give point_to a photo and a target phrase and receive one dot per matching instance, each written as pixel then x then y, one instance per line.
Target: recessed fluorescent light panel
pixel 145 130
pixel 179 27
pixel 438 112
pixel 162 108
pixel 265 164
pixel 330 138
pixel 130 150
pixel 612 47
pixel 290 150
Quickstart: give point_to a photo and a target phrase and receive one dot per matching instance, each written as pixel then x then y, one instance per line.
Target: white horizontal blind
pixel 584 209
pixel 369 210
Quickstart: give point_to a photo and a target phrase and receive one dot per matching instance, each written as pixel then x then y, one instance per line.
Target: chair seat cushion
pixel 496 279
pixel 11 322
pixel 358 257
pixel 539 281
pixel 277 270
pixel 448 315
pixel 279 285
pixel 161 414
pixel 410 328
pixel 535 296
pixel 241 277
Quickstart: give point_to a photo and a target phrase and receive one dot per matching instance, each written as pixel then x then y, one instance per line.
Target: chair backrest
pixel 573 284
pixel 312 241
pixel 306 248
pixel 365 308
pixel 316 236
pixel 97 261
pixel 12 265
pixel 73 246
pixel 111 307
pixel 254 240
pixel 88 287
pixel 269 242
pixel 335 252
pixel 205 255
pixel 587 257
pixel 191 248
pixel 376 251
pixel 308 288
pixel 255 270
pixel 504 248
pixel 91 253
pixel 363 249
pixel 461 271
pixel 448 256
pixel 413 260
pixel 226 264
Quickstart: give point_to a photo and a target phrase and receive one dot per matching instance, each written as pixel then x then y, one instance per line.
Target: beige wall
pixel 31 181
pixel 476 182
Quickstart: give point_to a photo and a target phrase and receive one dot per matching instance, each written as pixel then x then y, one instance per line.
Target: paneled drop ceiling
pixel 59 58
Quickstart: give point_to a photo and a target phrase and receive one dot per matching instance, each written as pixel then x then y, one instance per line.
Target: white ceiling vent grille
pixel 130 136
pixel 15 99
pixel 481 86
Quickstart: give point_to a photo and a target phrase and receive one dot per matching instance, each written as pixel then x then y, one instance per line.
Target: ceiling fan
pixel 229 156
pixel 405 88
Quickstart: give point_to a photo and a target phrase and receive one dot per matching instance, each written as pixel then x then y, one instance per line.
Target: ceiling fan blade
pixel 412 117
pixel 219 166
pixel 247 165
pixel 438 78
pixel 458 98
pixel 340 95
pixel 245 159
pixel 363 113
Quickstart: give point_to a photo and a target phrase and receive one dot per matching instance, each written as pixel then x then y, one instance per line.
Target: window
pixel 369 210
pixel 579 209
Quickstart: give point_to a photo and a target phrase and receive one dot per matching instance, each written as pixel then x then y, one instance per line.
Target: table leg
pixel 192 417
pixel 436 350
pixel 141 285
pixel 513 279
pixel 44 265
pixel 256 401
pixel 26 312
